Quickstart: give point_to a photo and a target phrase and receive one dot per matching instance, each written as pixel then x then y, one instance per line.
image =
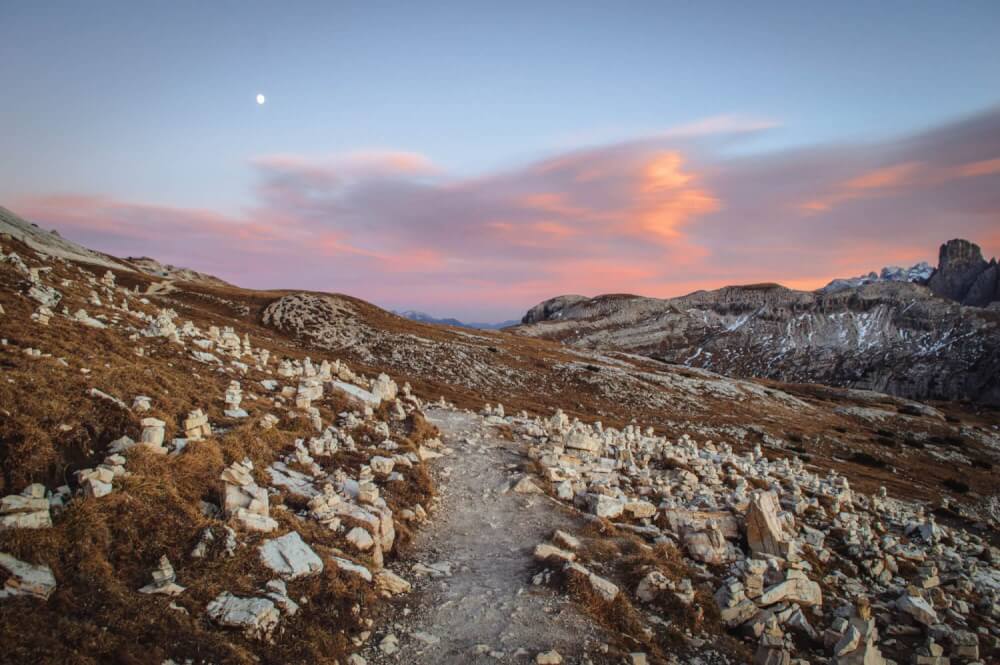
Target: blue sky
pixel 153 103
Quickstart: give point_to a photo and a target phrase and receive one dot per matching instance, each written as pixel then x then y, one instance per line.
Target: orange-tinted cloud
pixel 660 216
pixel 877 182
pixel 670 197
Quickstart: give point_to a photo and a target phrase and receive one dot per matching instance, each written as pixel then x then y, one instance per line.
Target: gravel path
pixel 486 610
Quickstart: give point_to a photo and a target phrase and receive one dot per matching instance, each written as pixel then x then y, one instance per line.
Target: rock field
pixel 196 473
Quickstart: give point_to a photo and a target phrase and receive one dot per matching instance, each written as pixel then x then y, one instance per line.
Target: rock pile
pixel 153 432
pixel 96 482
pixel 244 500
pixel 836 569
pixel 28 510
pixel 234 395
pixel 164 580
pixel 196 426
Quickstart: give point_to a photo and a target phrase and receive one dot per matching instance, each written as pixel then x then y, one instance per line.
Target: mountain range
pixel 423 317
pixel 917 333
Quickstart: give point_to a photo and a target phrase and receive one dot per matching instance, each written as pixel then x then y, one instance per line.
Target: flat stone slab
pixel 290 557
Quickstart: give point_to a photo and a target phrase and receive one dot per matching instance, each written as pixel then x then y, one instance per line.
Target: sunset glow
pixel 420 162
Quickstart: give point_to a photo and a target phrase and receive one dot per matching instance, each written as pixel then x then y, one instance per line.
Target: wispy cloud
pixel 662 215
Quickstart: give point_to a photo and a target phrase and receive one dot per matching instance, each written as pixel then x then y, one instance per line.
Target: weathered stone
pixel 24 512
pixel 797 588
pixel 360 539
pixel 544 551
pixel 918 608
pixel 153 430
pixel 164 580
pixel 26 579
pixel 765 534
pixel 257 617
pixel 391 583
pixel 290 557
pixel 605 506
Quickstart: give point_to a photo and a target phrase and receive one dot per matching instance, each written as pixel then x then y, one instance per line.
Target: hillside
pixel 196 472
pixel 891 336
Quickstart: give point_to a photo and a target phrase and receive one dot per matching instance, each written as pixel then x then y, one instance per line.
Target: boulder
pixel 605 506
pixel 257 617
pixel 796 588
pixel 581 441
pixel 918 608
pixel 765 534
pixel 290 557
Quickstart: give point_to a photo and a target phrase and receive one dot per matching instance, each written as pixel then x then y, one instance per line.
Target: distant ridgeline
pixel 920 332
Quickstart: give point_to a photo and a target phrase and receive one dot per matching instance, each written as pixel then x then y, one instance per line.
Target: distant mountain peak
pixel 918 273
pixel 424 317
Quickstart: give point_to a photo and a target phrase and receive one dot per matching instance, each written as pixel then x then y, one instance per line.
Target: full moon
pixel 261 98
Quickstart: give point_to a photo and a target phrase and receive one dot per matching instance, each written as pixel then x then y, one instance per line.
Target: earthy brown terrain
pixel 940 456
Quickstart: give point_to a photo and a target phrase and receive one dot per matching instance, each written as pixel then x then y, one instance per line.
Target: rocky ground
pixel 192 472
pixel 473 565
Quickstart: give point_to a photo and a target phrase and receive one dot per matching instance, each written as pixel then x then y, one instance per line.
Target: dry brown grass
pixel 102 550
pixel 625 559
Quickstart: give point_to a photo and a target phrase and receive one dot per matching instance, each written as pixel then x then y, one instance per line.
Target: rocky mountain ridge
pixel 963 275
pixel 891 336
pixel 918 273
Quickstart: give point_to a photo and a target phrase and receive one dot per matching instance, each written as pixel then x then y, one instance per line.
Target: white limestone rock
pixel 256 617
pixel 360 539
pixel 26 579
pixel 290 557
pixel 390 583
pixel 25 510
pixel 164 580
pixel 352 568
pixel 153 431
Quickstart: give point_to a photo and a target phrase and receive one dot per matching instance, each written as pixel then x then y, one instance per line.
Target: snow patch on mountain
pixel 918 274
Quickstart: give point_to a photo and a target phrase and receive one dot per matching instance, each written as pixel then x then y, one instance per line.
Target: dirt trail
pixel 487 535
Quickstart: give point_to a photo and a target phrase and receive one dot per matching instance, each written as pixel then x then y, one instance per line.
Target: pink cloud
pixel 661 216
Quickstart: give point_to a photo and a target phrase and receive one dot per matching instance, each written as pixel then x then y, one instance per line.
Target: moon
pixel 261 99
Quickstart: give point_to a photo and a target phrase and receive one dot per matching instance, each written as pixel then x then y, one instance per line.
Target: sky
pixel 471 159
